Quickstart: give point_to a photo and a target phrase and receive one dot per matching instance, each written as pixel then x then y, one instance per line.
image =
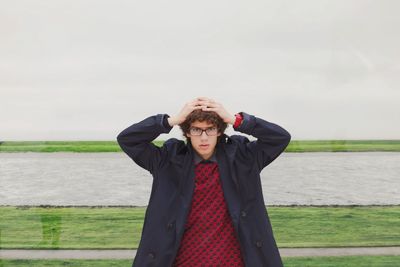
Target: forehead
pixel 201 124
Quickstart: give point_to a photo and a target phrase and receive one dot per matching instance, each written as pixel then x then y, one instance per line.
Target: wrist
pixel 232 120
pixel 172 121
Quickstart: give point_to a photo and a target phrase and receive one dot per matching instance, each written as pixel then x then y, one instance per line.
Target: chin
pixel 202 151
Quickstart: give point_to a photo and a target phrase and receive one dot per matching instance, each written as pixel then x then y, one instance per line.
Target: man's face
pixel 203 144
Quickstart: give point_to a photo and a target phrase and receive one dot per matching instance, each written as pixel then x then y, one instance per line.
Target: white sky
pixel 85 70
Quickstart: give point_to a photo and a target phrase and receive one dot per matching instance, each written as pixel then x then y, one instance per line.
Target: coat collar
pixel 198 158
pixel 185 153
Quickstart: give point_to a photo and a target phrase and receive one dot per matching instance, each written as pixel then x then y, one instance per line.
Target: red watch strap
pixel 238 120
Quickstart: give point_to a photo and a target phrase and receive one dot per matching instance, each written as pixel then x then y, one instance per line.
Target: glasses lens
pixel 195 131
pixel 211 131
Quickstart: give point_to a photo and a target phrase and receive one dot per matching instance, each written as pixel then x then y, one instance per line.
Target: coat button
pixel 243 213
pixel 170 225
pixel 259 244
pixel 152 255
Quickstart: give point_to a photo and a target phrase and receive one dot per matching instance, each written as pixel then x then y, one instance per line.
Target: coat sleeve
pixel 136 141
pixel 271 141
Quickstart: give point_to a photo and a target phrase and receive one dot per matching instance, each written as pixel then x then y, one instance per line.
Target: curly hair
pixel 199 115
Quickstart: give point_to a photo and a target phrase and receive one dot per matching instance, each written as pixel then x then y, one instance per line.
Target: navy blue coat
pixel 240 162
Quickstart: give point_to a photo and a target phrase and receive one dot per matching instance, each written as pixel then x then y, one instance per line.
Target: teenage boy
pixel 206 206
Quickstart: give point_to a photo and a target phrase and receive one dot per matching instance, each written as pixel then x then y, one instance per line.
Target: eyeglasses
pixel 209 131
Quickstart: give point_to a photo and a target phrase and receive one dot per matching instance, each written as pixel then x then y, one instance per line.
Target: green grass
pixel 59 146
pixel 120 227
pixel 74 263
pixel 343 145
pixel 37 227
pixel 112 146
pixel 345 261
pixel 348 261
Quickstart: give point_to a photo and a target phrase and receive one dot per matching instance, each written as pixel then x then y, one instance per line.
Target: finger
pixel 195 102
pixel 203 99
pixel 196 107
pixel 210 109
pixel 210 104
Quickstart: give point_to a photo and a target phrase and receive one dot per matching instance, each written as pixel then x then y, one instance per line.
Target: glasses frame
pixel 203 130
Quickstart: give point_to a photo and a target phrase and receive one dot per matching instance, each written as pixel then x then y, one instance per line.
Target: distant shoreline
pixel 112 146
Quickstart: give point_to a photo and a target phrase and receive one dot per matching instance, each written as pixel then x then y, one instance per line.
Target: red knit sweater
pixel 209 238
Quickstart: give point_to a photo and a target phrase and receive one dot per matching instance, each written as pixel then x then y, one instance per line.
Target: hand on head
pixel 209 104
pixel 203 103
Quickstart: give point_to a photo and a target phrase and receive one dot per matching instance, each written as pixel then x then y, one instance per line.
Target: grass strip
pixel 346 261
pixel 120 227
pixel 112 146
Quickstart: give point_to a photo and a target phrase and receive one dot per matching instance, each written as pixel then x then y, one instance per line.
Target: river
pixel 321 178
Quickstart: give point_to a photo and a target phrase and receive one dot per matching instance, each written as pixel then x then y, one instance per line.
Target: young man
pixel 206 206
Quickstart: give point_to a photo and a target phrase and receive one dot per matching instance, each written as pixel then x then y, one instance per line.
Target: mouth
pixel 204 146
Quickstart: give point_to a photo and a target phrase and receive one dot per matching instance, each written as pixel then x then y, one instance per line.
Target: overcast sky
pixel 85 70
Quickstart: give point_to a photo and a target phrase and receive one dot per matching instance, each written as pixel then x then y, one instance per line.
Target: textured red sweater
pixel 209 238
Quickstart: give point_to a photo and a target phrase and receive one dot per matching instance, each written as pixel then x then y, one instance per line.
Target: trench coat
pixel 240 162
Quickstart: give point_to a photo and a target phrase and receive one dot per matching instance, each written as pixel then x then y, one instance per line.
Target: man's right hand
pixel 196 103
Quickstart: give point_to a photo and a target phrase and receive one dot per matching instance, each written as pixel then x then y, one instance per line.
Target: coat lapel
pixel 225 155
pixel 185 187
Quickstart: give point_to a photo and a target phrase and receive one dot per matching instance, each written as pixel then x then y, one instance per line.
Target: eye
pixel 195 130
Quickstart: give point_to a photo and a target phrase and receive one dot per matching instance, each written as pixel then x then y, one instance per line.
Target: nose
pixel 204 135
